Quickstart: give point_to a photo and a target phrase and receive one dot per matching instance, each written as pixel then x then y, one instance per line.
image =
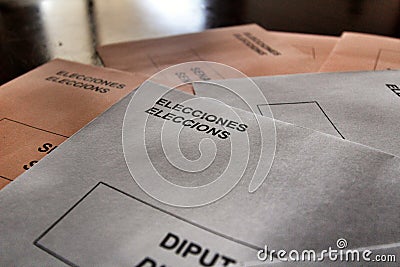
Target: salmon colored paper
pixel 248 48
pixel 317 46
pixel 42 108
pixel 358 51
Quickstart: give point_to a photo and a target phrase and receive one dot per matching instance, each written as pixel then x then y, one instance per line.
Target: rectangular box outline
pixel 304 102
pixel 70 263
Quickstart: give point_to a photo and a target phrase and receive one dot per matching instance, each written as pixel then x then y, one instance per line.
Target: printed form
pixel 42 108
pixel 90 211
pixel 359 106
pixel 248 48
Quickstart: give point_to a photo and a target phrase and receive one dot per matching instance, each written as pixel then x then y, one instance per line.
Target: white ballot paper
pixel 363 107
pixel 82 204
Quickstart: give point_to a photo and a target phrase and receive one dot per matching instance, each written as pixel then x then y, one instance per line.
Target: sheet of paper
pixel 317 46
pixel 42 108
pixel 80 206
pixel 248 48
pixel 359 51
pixel 360 106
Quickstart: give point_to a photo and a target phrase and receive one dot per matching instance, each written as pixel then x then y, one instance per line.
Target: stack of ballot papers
pixel 100 165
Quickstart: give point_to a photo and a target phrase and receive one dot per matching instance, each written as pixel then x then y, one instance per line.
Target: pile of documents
pixel 332 104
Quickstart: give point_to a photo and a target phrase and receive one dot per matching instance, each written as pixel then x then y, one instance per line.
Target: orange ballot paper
pixel 317 46
pixel 358 51
pixel 248 48
pixel 42 108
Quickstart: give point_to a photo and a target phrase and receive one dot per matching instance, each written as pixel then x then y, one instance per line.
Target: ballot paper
pixel 81 206
pixel 317 46
pixel 42 108
pixel 363 107
pixel 359 51
pixel 248 48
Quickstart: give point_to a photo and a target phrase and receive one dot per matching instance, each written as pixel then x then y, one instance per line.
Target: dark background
pixel 35 31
